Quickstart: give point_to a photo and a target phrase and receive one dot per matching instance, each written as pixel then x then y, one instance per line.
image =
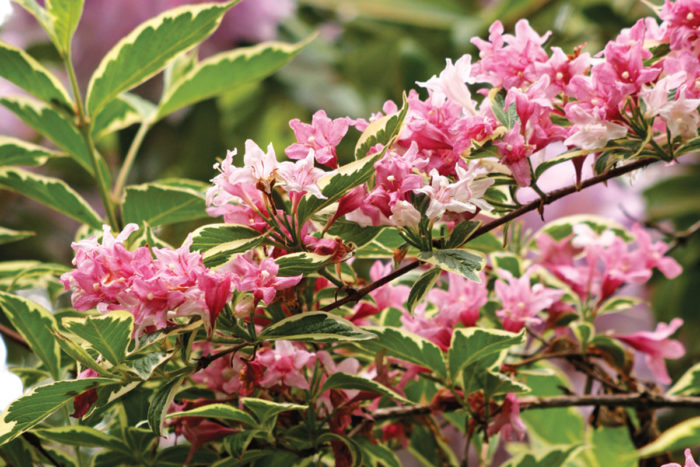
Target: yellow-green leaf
pixel 109 334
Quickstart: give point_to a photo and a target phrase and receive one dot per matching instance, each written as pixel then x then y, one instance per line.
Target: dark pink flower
pixel 508 421
pixel 322 135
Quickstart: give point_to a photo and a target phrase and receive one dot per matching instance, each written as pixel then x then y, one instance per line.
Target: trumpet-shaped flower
pixel 285 365
pixel 450 84
pixel 521 301
pixel 322 136
pixel 464 195
pixel 260 279
pixel 657 346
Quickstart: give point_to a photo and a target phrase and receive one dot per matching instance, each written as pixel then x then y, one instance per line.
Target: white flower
pixel 593 133
pixel 464 195
pixel 403 214
pixel 451 83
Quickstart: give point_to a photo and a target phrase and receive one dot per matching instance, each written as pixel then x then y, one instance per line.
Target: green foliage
pixel 219 242
pixel 65 16
pixel 686 434
pixel 160 402
pixel 159 204
pixel 475 345
pixel 9 235
pixel 224 71
pixel 37 326
pixel 314 326
pixel 464 262
pixel 381 131
pixel 30 409
pixel 421 287
pixel 52 192
pixel 218 410
pixel 264 410
pixel 346 381
pixel 149 48
pixel 14 151
pixel 109 334
pixel 688 384
pixel 21 69
pixel 53 125
pixel 294 264
pixel 408 347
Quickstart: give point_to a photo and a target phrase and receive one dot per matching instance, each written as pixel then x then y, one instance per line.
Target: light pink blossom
pixel 521 301
pixel 657 346
pixel 450 84
pixel 285 365
pixel 689 461
pixel 322 135
pixel 260 279
pixel 301 177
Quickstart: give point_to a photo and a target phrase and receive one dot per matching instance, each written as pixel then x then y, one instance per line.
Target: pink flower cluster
pixel 154 285
pixel 596 265
pixel 459 303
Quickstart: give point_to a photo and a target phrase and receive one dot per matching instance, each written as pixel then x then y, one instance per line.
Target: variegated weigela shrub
pixel 343 305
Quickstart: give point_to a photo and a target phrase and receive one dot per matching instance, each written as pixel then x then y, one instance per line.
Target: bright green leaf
pixel 294 264
pixel 65 15
pixel 381 131
pixel 54 126
pixel 472 345
pixel 224 71
pixel 42 401
pixel 221 411
pixel 157 204
pixel 109 334
pixel 264 410
pixel 219 242
pixel 421 287
pixel 80 436
pixel 688 384
pixel 14 151
pixel 52 192
pixel 466 263
pixel 315 326
pixel 149 48
pixel 686 434
pixel 407 346
pixel 160 403
pixel 346 381
pixel 21 69
pixel 36 325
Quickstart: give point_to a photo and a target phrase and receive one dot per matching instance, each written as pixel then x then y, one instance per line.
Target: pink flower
pixel 322 136
pixel 689 461
pixel 657 346
pixel 464 195
pixel 436 328
pixel 590 132
pixel 260 279
pixel 508 421
pixel 521 301
pixel 682 19
pixel 285 365
pixel 462 300
pixel 261 165
pixel 654 253
pixel 451 83
pixel 301 177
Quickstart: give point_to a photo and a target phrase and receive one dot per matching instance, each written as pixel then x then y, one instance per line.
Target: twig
pixel 15 336
pixel 525 208
pixel 36 442
pixel 638 400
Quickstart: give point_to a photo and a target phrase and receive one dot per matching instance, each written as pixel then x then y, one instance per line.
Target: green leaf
pixel 408 347
pixel 461 233
pixel 149 48
pixel 611 347
pixel 109 334
pixel 9 235
pixel 65 16
pixel 52 192
pixel 158 204
pixel 354 233
pixel 79 354
pixel 40 402
pixel 583 332
pixel 550 456
pixel 381 131
pixel 117 114
pixel 80 436
pixel 54 126
pixel 294 264
pixel 160 402
pixel 219 242
pixel 689 146
pixel 473 345
pixel 617 304
pixel 222 411
pixel 508 116
pixel 264 410
pixel 475 377
pixel 35 324
pixel 346 381
pixel 21 69
pixel 352 446
pixel 14 151
pixel 144 365
pixel 464 262
pixel 315 326
pixel 377 455
pixel 611 445
pixel 686 434
pixel 688 384
pixel 421 287
pixel 226 70
pixel 567 156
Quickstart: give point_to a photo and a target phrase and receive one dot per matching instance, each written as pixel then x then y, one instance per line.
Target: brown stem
pixel 638 400
pixel 7 332
pixel 525 208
